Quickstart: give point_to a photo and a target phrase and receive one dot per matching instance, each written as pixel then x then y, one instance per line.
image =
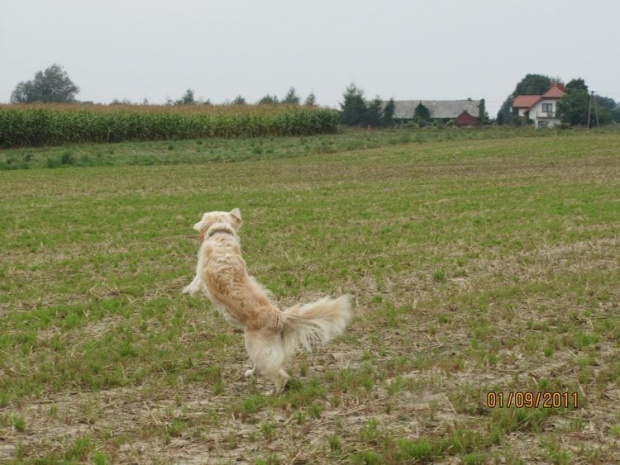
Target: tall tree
pixel 422 113
pixel 374 113
pixel 533 84
pixel 51 85
pixel 483 116
pixel 573 106
pixel 310 100
pixel 291 97
pixel 239 100
pixel 578 102
pixel 388 113
pixel 605 102
pixel 576 85
pixel 353 109
pixel 187 99
pixel 504 115
pixel 603 109
pixel 268 100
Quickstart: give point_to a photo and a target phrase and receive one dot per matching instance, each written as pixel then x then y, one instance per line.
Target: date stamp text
pixel 529 399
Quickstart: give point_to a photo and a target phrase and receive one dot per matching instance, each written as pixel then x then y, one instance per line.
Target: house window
pixel 547 108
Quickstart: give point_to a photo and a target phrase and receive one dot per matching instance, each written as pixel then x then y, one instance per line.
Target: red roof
pixel 556 91
pixel 525 101
pixel 465 119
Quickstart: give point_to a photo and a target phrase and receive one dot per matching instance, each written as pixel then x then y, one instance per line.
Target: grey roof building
pixel 439 109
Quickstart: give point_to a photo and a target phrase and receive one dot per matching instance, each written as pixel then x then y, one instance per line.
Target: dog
pixel 271 335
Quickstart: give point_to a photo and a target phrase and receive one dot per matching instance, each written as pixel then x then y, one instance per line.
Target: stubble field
pixel 480 269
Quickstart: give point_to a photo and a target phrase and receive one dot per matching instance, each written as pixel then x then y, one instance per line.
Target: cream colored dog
pixel 271 335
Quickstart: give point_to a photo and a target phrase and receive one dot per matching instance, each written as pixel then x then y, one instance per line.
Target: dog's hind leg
pixel 266 351
pixel 280 379
pixel 250 373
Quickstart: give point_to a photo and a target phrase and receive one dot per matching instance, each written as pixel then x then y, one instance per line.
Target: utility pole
pixel 590 103
pixel 595 109
pixel 589 108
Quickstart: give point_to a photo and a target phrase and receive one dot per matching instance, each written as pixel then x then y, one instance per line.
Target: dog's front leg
pixel 193 288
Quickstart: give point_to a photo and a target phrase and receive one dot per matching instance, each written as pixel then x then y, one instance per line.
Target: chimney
pixel 557 84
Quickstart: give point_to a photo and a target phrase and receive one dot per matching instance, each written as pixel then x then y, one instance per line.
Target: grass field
pixel 200 151
pixel 479 269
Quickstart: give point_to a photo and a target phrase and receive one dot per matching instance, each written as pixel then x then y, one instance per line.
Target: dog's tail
pixel 315 323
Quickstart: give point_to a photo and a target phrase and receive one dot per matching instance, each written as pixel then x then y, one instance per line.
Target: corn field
pixel 48 124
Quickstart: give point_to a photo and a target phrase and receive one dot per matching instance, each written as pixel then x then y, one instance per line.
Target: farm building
pixel 439 109
pixel 540 109
pixel 465 120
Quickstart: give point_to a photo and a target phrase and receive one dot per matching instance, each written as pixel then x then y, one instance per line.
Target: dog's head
pixel 220 219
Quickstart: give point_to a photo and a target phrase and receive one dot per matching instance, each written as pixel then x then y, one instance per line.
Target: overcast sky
pixel 441 49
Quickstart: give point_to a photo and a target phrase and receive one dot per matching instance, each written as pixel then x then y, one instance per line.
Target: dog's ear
pixel 236 218
pixel 201 224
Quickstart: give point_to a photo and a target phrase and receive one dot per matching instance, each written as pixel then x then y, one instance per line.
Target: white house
pixel 541 109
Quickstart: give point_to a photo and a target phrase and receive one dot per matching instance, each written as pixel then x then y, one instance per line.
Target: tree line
pixel 356 111
pixel 579 106
pixel 291 98
pixel 53 85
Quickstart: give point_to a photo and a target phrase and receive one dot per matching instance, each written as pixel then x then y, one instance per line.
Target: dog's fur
pixel 271 335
